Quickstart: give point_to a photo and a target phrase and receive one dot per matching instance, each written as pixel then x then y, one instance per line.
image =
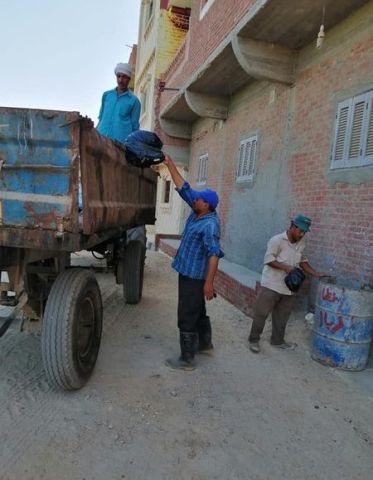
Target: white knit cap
pixel 124 68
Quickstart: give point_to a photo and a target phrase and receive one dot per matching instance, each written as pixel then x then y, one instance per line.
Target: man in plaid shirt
pixel 196 261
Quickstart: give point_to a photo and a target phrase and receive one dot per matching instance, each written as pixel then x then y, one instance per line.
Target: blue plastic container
pixel 343 327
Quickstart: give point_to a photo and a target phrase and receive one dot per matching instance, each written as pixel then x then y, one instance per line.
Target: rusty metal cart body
pixel 65 188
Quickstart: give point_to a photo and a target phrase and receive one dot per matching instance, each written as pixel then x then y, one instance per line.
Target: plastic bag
pixel 294 279
pixel 143 149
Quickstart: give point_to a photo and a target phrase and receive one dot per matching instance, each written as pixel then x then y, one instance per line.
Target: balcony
pixel 263 46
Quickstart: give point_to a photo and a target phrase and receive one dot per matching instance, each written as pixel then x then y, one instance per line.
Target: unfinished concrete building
pixel 271 103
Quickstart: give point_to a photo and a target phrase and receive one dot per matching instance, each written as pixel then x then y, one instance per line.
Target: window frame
pixel 144 101
pixel 166 192
pixel 148 18
pixel 149 11
pixel 246 143
pixel 360 128
pixel 205 6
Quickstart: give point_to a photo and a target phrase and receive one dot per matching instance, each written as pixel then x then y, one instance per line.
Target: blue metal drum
pixel 343 328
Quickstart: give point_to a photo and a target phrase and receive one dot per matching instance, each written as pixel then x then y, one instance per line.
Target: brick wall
pixel 218 22
pixel 247 211
pixel 208 32
pixel 295 127
pixel 342 235
pixel 239 295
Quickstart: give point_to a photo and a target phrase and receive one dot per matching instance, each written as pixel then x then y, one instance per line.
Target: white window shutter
pixel 368 134
pixel 353 137
pixel 340 137
pixel 251 168
pixel 356 129
pixel 202 169
pixel 247 147
pixel 240 160
pixel 246 159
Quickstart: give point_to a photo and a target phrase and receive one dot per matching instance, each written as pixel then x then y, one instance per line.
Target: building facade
pixel 278 119
pixel 163 27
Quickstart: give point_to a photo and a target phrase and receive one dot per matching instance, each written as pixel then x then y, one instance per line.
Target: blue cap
pixel 209 196
pixel 302 222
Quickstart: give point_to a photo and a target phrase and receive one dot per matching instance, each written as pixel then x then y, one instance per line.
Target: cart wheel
pixel 133 272
pixel 72 326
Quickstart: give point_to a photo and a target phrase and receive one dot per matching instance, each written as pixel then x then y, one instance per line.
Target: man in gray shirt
pixel 284 253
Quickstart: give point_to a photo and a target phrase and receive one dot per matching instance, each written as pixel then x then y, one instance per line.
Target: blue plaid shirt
pixel 199 242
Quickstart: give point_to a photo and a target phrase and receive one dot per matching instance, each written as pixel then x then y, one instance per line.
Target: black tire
pixel 72 327
pixel 133 272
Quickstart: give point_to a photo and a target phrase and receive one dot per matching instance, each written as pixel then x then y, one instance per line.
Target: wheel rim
pixel 86 329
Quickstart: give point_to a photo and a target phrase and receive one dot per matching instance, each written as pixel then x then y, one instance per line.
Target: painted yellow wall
pixel 170 38
pixel 159 40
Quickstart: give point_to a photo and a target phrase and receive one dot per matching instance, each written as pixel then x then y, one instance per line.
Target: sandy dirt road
pixel 277 415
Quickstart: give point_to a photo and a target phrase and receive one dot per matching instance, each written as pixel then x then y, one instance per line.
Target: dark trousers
pixel 280 305
pixel 191 308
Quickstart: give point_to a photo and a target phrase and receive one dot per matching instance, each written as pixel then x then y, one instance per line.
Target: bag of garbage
pixel 143 149
pixel 294 279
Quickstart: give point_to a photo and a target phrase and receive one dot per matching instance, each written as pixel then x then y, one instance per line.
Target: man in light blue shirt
pixel 119 116
pixel 120 108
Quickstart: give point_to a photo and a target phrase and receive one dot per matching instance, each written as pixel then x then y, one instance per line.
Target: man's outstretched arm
pixel 309 269
pixel 174 172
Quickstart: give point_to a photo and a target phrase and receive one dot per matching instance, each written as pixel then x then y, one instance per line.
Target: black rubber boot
pixel 204 336
pixel 188 346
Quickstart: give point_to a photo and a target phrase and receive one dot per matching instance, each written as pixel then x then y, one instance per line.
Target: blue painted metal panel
pixel 37 149
pixel 343 328
pixel 34 137
pixel 40 182
pixel 42 154
pixel 41 215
